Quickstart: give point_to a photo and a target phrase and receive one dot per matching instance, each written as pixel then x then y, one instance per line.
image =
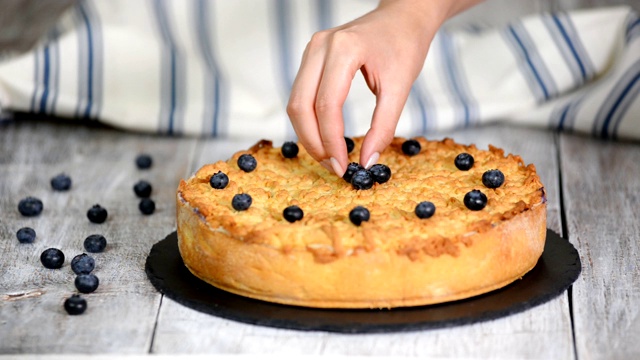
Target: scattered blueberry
pixel 247 162
pixel 142 189
pixel 493 178
pixel 475 200
pixel 358 215
pixel 381 173
pixel 350 144
pixel 362 180
pixel 411 147
pixel 75 305
pixel 147 206
pixel 219 180
pixel 351 169
pixel 293 213
pixel 61 182
pixel 425 210
pixel 30 206
pixel 241 201
pixel 97 214
pixel 290 149
pixel 26 235
pixel 464 161
pixel 95 243
pixel 52 258
pixel 86 283
pixel 144 161
pixel 82 264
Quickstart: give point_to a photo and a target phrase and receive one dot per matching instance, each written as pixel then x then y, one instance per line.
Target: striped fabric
pixel 225 68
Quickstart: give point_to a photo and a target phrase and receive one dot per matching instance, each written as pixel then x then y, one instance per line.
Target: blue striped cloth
pixel 225 68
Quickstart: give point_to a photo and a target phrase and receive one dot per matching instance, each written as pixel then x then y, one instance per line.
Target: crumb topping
pixel 326 230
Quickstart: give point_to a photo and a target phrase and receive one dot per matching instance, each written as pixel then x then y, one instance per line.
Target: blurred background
pixel 24 22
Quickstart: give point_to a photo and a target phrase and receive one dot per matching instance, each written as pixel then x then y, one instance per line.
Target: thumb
pixel 383 128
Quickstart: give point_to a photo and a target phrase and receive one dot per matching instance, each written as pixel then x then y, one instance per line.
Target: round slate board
pixel 556 270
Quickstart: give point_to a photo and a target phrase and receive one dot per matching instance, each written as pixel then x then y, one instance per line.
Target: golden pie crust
pixel 395 259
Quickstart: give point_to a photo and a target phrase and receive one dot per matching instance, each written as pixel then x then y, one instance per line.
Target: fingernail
pixel 336 167
pixel 326 164
pixel 372 160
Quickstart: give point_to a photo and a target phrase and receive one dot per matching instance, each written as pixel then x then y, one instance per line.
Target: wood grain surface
pixel 126 315
pixel 121 313
pixel 601 183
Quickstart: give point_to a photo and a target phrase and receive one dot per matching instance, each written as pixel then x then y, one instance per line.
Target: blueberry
pixel 351 169
pixel 26 235
pixel 30 206
pixel 147 206
pixel 75 305
pixel 464 161
pixel 86 283
pixel 97 214
pixel 52 258
pixel 425 210
pixel 475 200
pixel 247 162
pixel 95 243
pixel 219 180
pixel 493 178
pixel 82 264
pixel 293 213
pixel 381 173
pixel 290 149
pixel 358 215
pixel 350 144
pixel 61 182
pixel 362 180
pixel 144 161
pixel 411 147
pixel 241 201
pixel 142 189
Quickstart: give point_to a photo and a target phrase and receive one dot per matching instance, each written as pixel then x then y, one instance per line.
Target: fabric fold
pixel 210 68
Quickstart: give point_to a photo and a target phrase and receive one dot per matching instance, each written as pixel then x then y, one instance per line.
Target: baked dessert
pixel 315 254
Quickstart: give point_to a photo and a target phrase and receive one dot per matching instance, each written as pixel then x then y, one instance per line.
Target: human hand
pixel 389 46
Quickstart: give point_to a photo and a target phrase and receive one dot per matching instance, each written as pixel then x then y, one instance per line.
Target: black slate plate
pixel 556 270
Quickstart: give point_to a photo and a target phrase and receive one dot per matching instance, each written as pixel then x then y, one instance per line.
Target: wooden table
pixel 594 199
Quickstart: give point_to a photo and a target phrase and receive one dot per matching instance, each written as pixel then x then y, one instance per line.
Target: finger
pixel 301 106
pixel 340 68
pixel 383 126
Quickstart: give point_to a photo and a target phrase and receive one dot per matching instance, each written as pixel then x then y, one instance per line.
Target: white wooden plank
pixel 601 184
pixel 540 333
pixel 122 312
pixel 531 335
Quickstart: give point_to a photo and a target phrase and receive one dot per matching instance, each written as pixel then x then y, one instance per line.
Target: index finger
pixel 339 70
pixel 302 100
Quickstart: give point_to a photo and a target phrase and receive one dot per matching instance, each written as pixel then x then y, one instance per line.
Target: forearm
pixel 429 12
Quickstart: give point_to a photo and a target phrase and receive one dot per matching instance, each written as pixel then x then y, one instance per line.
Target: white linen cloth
pixel 225 68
